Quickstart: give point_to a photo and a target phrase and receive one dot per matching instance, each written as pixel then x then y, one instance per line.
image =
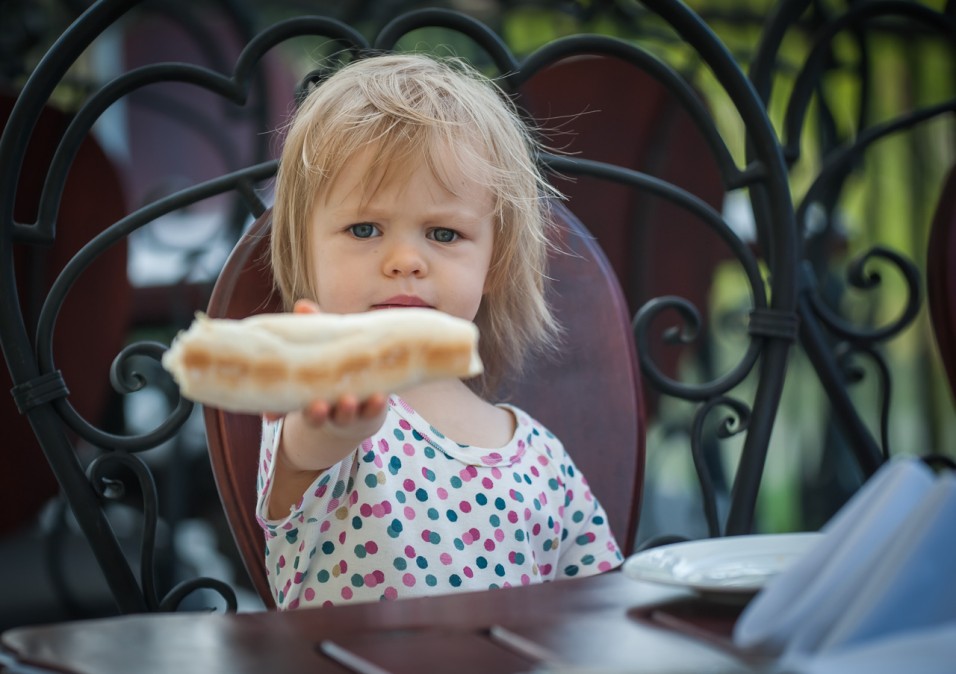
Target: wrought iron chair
pixel 835 345
pixel 77 195
pixel 771 279
pixel 36 582
pixel 589 99
pixel 37 269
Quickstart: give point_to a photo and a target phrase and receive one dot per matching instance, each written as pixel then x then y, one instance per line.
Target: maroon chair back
pixel 245 287
pixel 606 109
pixel 589 396
pixel 941 277
pixel 92 199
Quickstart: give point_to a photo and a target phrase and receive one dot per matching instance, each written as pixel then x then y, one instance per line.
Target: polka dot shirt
pixel 412 513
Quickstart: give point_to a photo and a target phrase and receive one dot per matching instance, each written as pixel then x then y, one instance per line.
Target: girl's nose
pixel 405 259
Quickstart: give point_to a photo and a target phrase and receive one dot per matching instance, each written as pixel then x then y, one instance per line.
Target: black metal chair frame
pixel 784 309
pixel 821 327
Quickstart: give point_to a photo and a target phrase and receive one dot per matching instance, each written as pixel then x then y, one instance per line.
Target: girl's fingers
pixel 305 307
pixel 372 407
pixel 346 410
pixel 317 413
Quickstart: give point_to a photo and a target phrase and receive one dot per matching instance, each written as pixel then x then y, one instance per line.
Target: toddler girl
pixel 406 181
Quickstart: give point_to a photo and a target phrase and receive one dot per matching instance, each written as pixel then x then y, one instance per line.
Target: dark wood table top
pixel 606 623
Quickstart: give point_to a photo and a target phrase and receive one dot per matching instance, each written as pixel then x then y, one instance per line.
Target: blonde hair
pixel 417 108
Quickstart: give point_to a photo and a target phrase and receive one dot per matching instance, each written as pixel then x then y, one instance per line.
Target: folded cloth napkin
pixel 882 574
pixel 929 651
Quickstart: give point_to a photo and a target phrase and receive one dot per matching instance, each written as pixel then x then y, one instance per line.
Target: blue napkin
pixel 925 651
pixel 882 579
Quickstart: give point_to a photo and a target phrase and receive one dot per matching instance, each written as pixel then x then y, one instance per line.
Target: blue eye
pixel 363 230
pixel 443 235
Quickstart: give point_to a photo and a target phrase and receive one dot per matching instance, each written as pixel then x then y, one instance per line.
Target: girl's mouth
pixel 403 302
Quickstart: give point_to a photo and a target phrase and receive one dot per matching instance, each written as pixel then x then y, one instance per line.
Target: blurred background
pixel 168 136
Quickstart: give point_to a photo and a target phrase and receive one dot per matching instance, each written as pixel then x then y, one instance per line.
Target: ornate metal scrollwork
pixel 846 353
pixel 729 426
pixel 860 275
pixel 101 475
pixel 863 341
pixel 829 340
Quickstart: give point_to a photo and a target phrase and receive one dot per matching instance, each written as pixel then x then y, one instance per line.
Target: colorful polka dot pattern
pixel 412 513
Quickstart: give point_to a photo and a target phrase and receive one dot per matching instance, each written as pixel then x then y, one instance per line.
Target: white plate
pixel 730 568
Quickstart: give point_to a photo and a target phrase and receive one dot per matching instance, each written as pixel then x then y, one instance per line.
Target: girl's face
pixel 410 243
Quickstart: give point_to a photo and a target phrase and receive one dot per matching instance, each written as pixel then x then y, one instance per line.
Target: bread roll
pixel 281 362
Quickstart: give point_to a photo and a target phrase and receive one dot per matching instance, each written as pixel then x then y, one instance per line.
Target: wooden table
pixel 607 623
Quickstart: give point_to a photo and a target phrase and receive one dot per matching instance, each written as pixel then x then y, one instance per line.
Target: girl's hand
pixel 348 415
pixel 348 418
